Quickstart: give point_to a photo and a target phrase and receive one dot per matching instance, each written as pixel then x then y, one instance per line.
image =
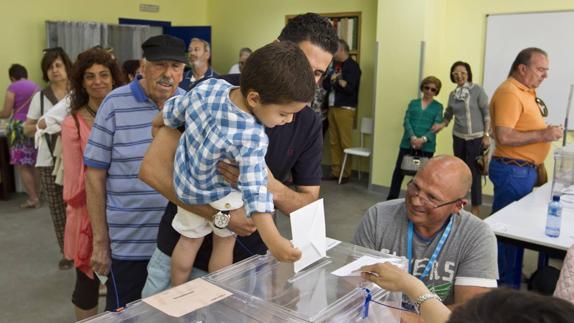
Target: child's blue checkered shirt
pixel 216 130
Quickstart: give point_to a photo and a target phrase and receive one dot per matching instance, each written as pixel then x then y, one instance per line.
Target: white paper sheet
pixel 352 269
pixel 186 298
pixel 309 235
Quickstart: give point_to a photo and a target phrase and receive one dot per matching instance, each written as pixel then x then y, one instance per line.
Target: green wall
pixel 254 23
pixel 453 30
pixel 23 32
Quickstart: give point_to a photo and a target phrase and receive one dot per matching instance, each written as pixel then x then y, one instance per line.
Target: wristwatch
pixel 423 298
pixel 425 139
pixel 221 219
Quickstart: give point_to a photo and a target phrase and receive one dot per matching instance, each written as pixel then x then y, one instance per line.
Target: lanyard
pixel 435 253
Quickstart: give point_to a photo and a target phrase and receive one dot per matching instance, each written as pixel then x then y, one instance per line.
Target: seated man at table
pixel 449 249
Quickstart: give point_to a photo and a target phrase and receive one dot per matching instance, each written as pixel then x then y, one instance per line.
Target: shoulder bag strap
pixel 49 142
pixel 23 104
pixel 41 103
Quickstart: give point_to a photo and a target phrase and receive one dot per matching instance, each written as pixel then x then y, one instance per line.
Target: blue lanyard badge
pixel 435 253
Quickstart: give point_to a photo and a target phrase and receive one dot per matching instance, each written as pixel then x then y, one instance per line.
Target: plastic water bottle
pixel 554 217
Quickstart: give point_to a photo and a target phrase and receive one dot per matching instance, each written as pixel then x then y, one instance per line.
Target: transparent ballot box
pixel 312 295
pixel 563 179
pixel 265 290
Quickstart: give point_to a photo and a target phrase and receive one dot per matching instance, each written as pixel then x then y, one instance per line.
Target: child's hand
pixel 280 248
pixel 283 250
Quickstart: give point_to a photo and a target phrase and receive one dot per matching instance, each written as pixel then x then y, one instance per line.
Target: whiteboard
pixel 508 34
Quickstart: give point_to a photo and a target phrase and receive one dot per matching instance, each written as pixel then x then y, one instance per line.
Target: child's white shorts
pixel 192 225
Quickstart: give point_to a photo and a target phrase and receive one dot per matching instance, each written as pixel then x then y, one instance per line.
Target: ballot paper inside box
pixel 311 295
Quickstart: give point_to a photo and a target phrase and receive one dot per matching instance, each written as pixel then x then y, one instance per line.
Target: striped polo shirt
pixel 120 137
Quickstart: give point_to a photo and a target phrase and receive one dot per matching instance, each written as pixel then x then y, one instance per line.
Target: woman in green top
pixel 418 137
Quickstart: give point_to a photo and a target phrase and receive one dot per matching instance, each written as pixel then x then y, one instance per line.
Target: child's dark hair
pixel 505 305
pixel 17 72
pixel 280 73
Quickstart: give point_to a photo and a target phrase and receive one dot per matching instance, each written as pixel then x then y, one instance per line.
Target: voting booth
pixel 261 289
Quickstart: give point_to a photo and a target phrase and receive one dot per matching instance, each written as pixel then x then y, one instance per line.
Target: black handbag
pixel 412 162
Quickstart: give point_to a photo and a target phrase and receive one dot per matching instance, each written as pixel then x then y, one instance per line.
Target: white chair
pixel 362 151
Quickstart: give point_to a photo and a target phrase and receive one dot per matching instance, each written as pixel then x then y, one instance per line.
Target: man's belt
pixel 345 107
pixel 515 162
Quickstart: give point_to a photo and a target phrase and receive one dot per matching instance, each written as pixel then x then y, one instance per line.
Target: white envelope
pixel 309 235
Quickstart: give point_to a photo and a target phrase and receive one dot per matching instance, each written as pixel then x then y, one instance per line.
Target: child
pixel 227 123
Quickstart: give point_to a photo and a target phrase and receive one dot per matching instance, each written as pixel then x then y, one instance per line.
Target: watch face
pixel 221 220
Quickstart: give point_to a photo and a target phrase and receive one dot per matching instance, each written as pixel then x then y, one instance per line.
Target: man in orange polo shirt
pixel 522 143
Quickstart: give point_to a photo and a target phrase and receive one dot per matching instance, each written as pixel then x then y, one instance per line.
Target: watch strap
pixel 423 298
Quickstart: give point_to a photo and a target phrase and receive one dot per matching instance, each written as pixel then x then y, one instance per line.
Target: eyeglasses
pixel 413 190
pixel 429 88
pixel 542 107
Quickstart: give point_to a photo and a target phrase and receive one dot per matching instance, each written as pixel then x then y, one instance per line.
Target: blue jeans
pixel 159 274
pixel 511 183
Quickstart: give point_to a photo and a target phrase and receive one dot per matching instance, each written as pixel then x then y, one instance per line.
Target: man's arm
pixel 288 200
pixel 96 202
pixel 156 170
pixel 512 137
pixel 478 267
pixel 284 198
pixel 464 293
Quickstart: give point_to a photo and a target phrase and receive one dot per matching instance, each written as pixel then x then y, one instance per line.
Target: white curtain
pixel 126 40
pixel 75 37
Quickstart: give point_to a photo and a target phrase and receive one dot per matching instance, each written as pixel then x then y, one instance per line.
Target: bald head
pixel 449 173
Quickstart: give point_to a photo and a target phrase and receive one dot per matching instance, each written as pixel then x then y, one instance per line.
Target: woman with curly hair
pixel 94 74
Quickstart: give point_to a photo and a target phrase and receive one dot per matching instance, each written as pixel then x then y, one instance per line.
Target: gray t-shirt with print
pixel 468 258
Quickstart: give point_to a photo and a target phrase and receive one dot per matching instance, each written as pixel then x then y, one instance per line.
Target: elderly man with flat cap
pixel 124 211
pixel 449 249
